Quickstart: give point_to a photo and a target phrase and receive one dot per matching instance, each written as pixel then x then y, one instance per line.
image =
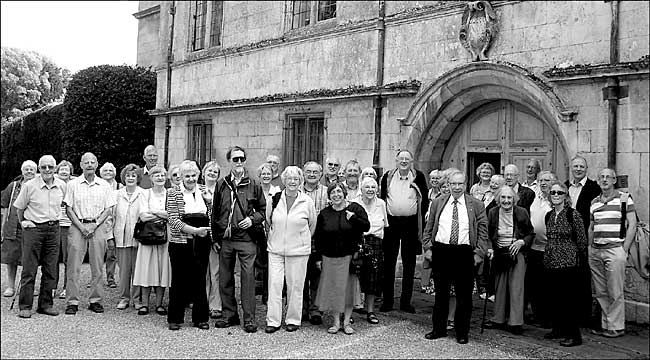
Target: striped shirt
pixel 606 217
pixel 318 195
pixel 175 206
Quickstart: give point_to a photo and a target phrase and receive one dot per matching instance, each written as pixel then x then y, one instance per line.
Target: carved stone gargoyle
pixel 478 28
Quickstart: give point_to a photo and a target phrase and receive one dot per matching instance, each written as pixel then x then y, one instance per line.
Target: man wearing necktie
pixel 455 241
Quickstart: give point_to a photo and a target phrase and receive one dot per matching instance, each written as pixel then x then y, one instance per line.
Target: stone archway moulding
pixel 439 109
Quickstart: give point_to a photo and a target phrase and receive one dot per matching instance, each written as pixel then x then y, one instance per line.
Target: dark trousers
pixel 246 251
pixel 189 267
pixel 111 261
pixel 404 228
pixel 565 301
pixel 63 253
pixel 310 289
pixel 452 264
pixel 536 286
pixel 40 247
pixel 262 272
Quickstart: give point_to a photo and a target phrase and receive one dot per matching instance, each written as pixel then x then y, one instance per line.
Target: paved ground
pixel 124 334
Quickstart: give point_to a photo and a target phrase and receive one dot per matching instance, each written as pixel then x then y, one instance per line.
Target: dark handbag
pixel 356 264
pixel 197 220
pixel 502 260
pixel 152 232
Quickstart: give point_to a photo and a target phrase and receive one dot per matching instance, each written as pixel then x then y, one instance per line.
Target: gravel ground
pixel 124 334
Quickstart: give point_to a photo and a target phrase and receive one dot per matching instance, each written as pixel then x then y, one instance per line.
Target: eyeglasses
pixel 46 167
pixel 176 174
pixel 333 164
pixel 240 159
pixel 558 192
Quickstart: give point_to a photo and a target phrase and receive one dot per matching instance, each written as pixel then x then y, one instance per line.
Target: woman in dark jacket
pixel 510 233
pixel 566 249
pixel 339 228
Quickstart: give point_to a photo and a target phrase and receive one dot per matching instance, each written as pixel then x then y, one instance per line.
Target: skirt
pixel 12 249
pixel 373 264
pixel 152 266
pixel 336 288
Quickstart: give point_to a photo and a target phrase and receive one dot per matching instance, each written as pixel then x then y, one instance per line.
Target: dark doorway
pixel 474 159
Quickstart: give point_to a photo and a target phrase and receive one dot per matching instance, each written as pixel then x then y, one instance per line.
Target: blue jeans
pixel 40 247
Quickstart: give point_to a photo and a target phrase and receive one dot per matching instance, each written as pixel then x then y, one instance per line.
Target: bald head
pixel 47 164
pixel 511 174
pixel 150 156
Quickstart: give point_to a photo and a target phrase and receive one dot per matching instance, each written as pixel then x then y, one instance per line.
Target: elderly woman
pixel 174 175
pixel 12 235
pixel 108 173
pixel 265 174
pixel 211 173
pixel 434 179
pixel 368 172
pixel 152 266
pixel 63 171
pixel 490 201
pixel 373 252
pixel 482 187
pixel 189 208
pixel 291 225
pixel 129 203
pixel 566 247
pixel 510 233
pixel 339 228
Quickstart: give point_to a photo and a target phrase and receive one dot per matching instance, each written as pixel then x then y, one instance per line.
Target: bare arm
pixel 631 231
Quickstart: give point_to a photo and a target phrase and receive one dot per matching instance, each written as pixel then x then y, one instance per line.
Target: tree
pixel 106 114
pixel 29 81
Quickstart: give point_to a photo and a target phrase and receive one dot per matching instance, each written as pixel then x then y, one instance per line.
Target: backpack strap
pixel 623 230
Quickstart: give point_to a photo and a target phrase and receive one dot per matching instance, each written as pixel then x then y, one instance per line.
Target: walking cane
pixel 486 299
pixel 15 296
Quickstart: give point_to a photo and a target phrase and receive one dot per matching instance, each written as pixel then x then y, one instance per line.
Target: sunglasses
pixel 240 159
pixel 333 164
pixel 46 167
pixel 176 174
pixel 553 192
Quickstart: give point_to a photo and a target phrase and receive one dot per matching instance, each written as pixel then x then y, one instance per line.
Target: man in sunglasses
pixel 332 167
pixel 39 209
pixel 237 206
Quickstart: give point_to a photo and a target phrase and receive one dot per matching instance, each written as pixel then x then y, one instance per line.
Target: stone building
pixel 457 83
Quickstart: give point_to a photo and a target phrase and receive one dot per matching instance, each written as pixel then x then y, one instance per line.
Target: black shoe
pixel 250 328
pixel 360 311
pixel 271 329
pixel 291 327
pixel 48 311
pixel 71 309
pixel 224 323
pixel 202 325
pixel 552 335
pixel 493 325
pixel 407 308
pixel 571 342
pixel 96 307
pixel 305 317
pixel 316 320
pixel 516 329
pixel 435 335
pixel 462 339
pixel 174 326
pixel 386 308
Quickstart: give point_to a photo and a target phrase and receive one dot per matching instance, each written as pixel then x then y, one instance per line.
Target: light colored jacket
pixel 125 215
pixel 290 233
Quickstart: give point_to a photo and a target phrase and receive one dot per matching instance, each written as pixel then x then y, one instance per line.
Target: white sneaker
pixel 9 292
pixel 491 298
pixel 482 296
pixel 62 295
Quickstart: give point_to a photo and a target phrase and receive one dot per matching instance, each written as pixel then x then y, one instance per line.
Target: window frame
pixel 314 13
pixel 204 147
pixel 292 153
pixel 197 31
pixel 216 32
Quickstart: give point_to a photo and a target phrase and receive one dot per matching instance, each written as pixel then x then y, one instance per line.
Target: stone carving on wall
pixel 478 28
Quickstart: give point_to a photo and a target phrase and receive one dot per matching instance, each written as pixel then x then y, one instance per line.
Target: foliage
pixel 29 81
pixel 106 114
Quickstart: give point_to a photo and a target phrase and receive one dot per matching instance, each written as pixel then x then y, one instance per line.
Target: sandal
pixel 450 324
pixel 372 318
pixel 143 310
pixel 348 330
pixel 334 329
pixel 160 310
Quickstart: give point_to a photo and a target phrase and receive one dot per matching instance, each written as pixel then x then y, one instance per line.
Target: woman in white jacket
pixel 291 224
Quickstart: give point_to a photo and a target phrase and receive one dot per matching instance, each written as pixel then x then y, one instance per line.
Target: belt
pixel 48 223
pixel 87 221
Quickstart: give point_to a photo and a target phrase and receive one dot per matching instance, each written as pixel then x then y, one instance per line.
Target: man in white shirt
pixel 533 168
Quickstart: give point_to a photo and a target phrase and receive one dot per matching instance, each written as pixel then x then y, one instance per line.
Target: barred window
pixel 197 23
pixel 200 141
pixel 326 10
pixel 304 138
pixel 216 21
pixel 304 13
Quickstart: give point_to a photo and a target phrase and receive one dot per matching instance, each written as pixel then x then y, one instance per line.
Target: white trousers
pixel 212 281
pixel 294 269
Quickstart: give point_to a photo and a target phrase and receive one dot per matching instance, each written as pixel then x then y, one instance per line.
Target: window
pixel 199 139
pixel 215 23
pixel 197 24
pixel 303 13
pixel 305 138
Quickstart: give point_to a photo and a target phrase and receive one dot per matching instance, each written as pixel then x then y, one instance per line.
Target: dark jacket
pixel 526 197
pixel 252 200
pixel 420 185
pixel 522 228
pixel 589 192
pixel 337 236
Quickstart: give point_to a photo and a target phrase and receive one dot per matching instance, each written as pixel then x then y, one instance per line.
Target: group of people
pixel 326 238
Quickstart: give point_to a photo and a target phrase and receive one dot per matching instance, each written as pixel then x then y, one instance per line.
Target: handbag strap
pixel 233 190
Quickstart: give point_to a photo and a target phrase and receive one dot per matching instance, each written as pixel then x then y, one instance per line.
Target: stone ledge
pixel 637 312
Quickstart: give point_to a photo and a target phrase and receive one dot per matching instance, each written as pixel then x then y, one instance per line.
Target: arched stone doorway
pixel 463 93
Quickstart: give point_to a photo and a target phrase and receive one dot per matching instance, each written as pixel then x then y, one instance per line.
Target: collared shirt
pixel 41 202
pixel 401 199
pixel 444 225
pixel 88 200
pixel 127 211
pixel 318 195
pixel 606 215
pixel 353 194
pixel 575 189
pixel 533 185
pixel 538 210
pixel 377 216
pixel 194 203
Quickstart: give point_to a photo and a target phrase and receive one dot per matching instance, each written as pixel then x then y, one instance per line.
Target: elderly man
pixel 533 168
pixel 332 167
pixel 610 238
pixel 405 191
pixel 39 208
pixel 526 195
pixel 150 157
pixel 455 241
pixel 89 202
pixel 536 289
pixel 274 161
pixel 318 193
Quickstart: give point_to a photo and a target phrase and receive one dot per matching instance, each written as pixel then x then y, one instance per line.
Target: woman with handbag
pixel 188 208
pixel 152 266
pixel 511 233
pixel 339 228
pixel 129 202
pixel 372 250
pixel 566 248
pixel 291 225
